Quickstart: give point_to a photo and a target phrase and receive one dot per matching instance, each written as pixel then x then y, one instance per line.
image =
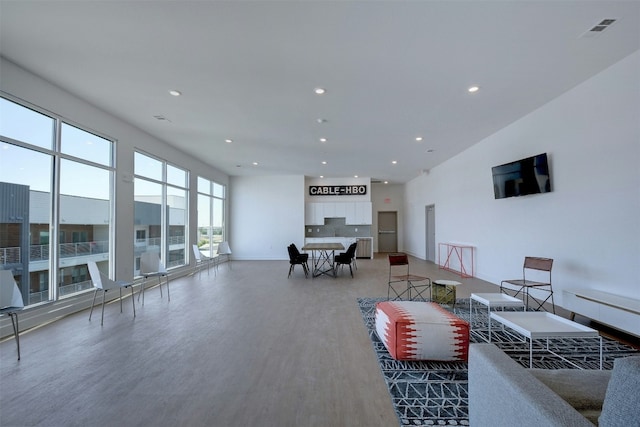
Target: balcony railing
pixel 12 255
pixel 68 250
pixel 36 297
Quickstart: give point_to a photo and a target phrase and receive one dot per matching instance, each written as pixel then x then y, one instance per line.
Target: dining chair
pixel 102 283
pixel 346 258
pixel 399 274
pixel 151 266
pixel 202 259
pixel 295 258
pixel 11 302
pixel 224 249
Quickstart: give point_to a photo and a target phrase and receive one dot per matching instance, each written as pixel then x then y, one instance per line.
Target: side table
pixel 444 292
pixel 489 300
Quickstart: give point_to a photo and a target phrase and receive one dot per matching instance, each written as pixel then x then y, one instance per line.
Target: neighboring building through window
pixel 161 194
pixel 31 143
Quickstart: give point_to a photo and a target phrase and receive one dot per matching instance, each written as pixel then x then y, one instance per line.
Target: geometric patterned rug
pixel 427 393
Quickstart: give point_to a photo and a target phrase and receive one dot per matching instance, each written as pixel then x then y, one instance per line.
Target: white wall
pixel 24 85
pixel 589 224
pixel 267 215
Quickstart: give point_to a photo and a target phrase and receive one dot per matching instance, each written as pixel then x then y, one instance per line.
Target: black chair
pixel 295 257
pixel 347 257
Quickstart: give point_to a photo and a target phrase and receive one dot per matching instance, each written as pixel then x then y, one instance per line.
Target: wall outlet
pixel 308 230
pixel 356 229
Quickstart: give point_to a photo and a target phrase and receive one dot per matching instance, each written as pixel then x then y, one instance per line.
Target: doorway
pixel 388 232
pixel 430 230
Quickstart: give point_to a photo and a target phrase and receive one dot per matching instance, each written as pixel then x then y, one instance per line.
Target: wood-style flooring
pixel 245 347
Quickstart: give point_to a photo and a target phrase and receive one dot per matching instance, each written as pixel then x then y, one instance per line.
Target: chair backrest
pixel 535 263
pixel 398 259
pixel 351 252
pixel 295 250
pixel 292 252
pixel 196 253
pixel 94 272
pixel 10 295
pixel 149 262
pixel 539 264
pixel 397 264
pixel 224 249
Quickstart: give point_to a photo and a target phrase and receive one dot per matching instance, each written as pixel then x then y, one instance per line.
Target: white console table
pixel 610 309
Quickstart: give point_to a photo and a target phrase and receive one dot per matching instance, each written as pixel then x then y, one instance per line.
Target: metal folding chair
pixel 414 287
pixel 541 268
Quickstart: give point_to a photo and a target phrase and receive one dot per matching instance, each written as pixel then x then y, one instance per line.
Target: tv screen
pixel 522 177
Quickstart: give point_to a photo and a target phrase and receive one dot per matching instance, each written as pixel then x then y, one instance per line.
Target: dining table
pixel 322 257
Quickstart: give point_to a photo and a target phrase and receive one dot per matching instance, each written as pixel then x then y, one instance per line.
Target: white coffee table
pixel 535 325
pixel 493 300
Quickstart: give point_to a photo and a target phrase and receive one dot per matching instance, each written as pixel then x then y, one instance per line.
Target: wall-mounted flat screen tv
pixel 522 177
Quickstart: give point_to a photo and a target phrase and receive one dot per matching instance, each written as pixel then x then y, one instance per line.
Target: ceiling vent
pixel 599 28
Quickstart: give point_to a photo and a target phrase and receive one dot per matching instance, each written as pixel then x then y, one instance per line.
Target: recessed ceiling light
pixel 418 138
pixel 324 162
pixel 321 176
pixel 320 91
pixel 355 176
pixel 175 92
pixel 228 141
pixel 395 162
pixel 321 121
pixel 386 182
pixel 323 139
pixel 255 163
pixel 473 89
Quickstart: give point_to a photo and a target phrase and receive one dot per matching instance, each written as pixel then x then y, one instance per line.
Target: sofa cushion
pixel 621 405
pixel 583 389
pixel 504 394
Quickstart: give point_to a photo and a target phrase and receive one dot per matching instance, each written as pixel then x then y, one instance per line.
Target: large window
pixel 211 224
pixel 56 192
pixel 161 193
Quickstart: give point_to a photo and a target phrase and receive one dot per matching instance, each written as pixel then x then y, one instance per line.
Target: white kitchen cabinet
pixel 363 213
pixel 350 213
pixel 355 213
pixel 329 210
pixel 314 213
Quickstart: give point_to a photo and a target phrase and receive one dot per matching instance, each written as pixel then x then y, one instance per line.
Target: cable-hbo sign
pixel 337 190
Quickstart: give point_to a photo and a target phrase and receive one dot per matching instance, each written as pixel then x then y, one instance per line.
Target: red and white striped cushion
pixel 415 330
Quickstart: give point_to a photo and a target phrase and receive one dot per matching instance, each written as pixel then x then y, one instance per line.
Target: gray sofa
pixel 503 393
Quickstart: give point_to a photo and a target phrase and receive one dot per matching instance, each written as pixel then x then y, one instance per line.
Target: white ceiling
pixel 393 70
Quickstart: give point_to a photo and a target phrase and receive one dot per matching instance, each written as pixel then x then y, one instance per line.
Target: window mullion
pixel 54 222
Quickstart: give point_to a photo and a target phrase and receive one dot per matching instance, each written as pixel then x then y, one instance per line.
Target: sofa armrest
pixel 503 393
